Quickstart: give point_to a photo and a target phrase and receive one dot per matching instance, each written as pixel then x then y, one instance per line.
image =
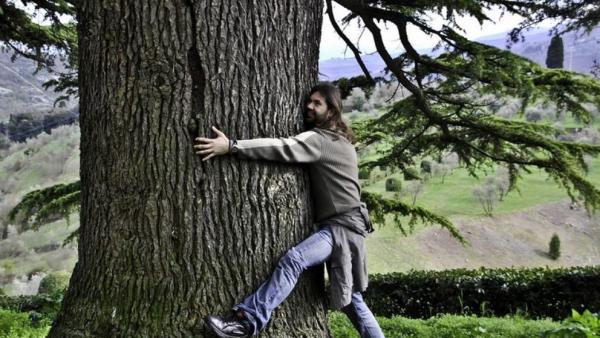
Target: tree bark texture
pixel 165 238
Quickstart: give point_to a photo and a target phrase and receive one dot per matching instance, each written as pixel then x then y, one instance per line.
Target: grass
pixel 15 324
pixel 448 326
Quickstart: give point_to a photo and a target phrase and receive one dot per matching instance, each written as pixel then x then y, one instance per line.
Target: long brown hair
pixel 334 121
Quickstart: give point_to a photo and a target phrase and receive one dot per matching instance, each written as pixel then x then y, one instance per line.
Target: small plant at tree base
pixel 554 247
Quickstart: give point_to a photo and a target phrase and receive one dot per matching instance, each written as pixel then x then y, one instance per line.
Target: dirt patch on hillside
pixel 516 239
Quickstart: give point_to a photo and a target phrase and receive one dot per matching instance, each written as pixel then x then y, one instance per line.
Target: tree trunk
pixel 165 238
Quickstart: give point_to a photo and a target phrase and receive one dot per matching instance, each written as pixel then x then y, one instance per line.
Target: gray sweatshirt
pixel 333 166
pixel 336 196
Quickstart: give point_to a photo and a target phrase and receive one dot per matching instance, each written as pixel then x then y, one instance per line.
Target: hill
pixel 580 52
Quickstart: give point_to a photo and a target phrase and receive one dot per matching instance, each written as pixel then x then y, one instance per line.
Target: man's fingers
pixel 220 133
pixel 202 146
pixel 203 139
pixel 209 156
pixel 207 151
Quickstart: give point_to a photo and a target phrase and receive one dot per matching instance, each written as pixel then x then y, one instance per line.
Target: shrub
pixel 364 174
pixel 19 325
pixel 53 283
pixel 554 247
pixel 426 166
pixel 393 184
pixel 540 292
pixel 411 174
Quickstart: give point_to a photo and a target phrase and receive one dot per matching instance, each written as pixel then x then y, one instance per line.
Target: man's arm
pixel 302 148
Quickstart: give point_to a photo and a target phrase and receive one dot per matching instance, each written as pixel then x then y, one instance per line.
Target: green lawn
pixel 448 326
pixel 454 196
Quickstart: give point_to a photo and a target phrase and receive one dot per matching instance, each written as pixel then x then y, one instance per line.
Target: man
pixel 327 148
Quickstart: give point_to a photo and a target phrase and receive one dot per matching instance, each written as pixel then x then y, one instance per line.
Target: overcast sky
pixel 332 46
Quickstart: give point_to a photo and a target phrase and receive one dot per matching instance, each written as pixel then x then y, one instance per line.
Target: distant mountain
pixel 580 52
pixel 20 90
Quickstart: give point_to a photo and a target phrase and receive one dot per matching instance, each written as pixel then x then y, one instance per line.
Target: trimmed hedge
pixel 536 292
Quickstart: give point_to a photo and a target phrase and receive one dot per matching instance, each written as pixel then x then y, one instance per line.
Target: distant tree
pixel 554 251
pixel 502 182
pixel 555 55
pixel 487 195
pixel 413 189
pixel 356 100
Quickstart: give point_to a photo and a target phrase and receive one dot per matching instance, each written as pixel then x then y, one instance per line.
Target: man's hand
pixel 212 146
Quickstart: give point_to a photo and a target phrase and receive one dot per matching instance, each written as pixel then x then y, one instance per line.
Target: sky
pixel 332 46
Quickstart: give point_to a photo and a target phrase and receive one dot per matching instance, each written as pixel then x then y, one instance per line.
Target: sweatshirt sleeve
pixel 302 148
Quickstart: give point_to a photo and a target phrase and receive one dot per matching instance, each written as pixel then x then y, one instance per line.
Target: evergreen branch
pixel 379 207
pixel 40 204
pixel 349 43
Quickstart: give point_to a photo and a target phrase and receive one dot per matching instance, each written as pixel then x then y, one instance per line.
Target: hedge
pixel 534 292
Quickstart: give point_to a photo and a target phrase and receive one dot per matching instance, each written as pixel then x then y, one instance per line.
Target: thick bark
pixel 165 238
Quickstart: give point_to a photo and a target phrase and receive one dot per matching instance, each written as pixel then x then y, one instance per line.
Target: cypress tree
pixel 555 56
pixel 554 247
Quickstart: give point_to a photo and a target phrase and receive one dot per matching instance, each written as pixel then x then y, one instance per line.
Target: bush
pixel 19 325
pixel 426 166
pixel 54 283
pixel 393 184
pixel 411 174
pixel 554 247
pixel 540 292
pixel 364 174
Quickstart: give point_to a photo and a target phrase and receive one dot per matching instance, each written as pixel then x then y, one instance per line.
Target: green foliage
pixel 584 325
pixel 411 174
pixel 41 204
pixel 447 111
pixel 393 184
pixel 379 207
pixel 40 307
pixel 54 283
pixel 447 326
pixel 364 174
pixel 346 84
pixel 43 43
pixel 554 251
pixel 19 325
pixel 555 56
pixel 539 292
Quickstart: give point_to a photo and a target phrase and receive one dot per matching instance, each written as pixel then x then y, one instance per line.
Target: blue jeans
pixel 314 250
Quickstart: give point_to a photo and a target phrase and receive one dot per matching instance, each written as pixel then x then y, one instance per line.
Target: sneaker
pixel 233 326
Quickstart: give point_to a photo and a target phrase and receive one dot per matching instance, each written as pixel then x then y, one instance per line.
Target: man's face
pixel 316 109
